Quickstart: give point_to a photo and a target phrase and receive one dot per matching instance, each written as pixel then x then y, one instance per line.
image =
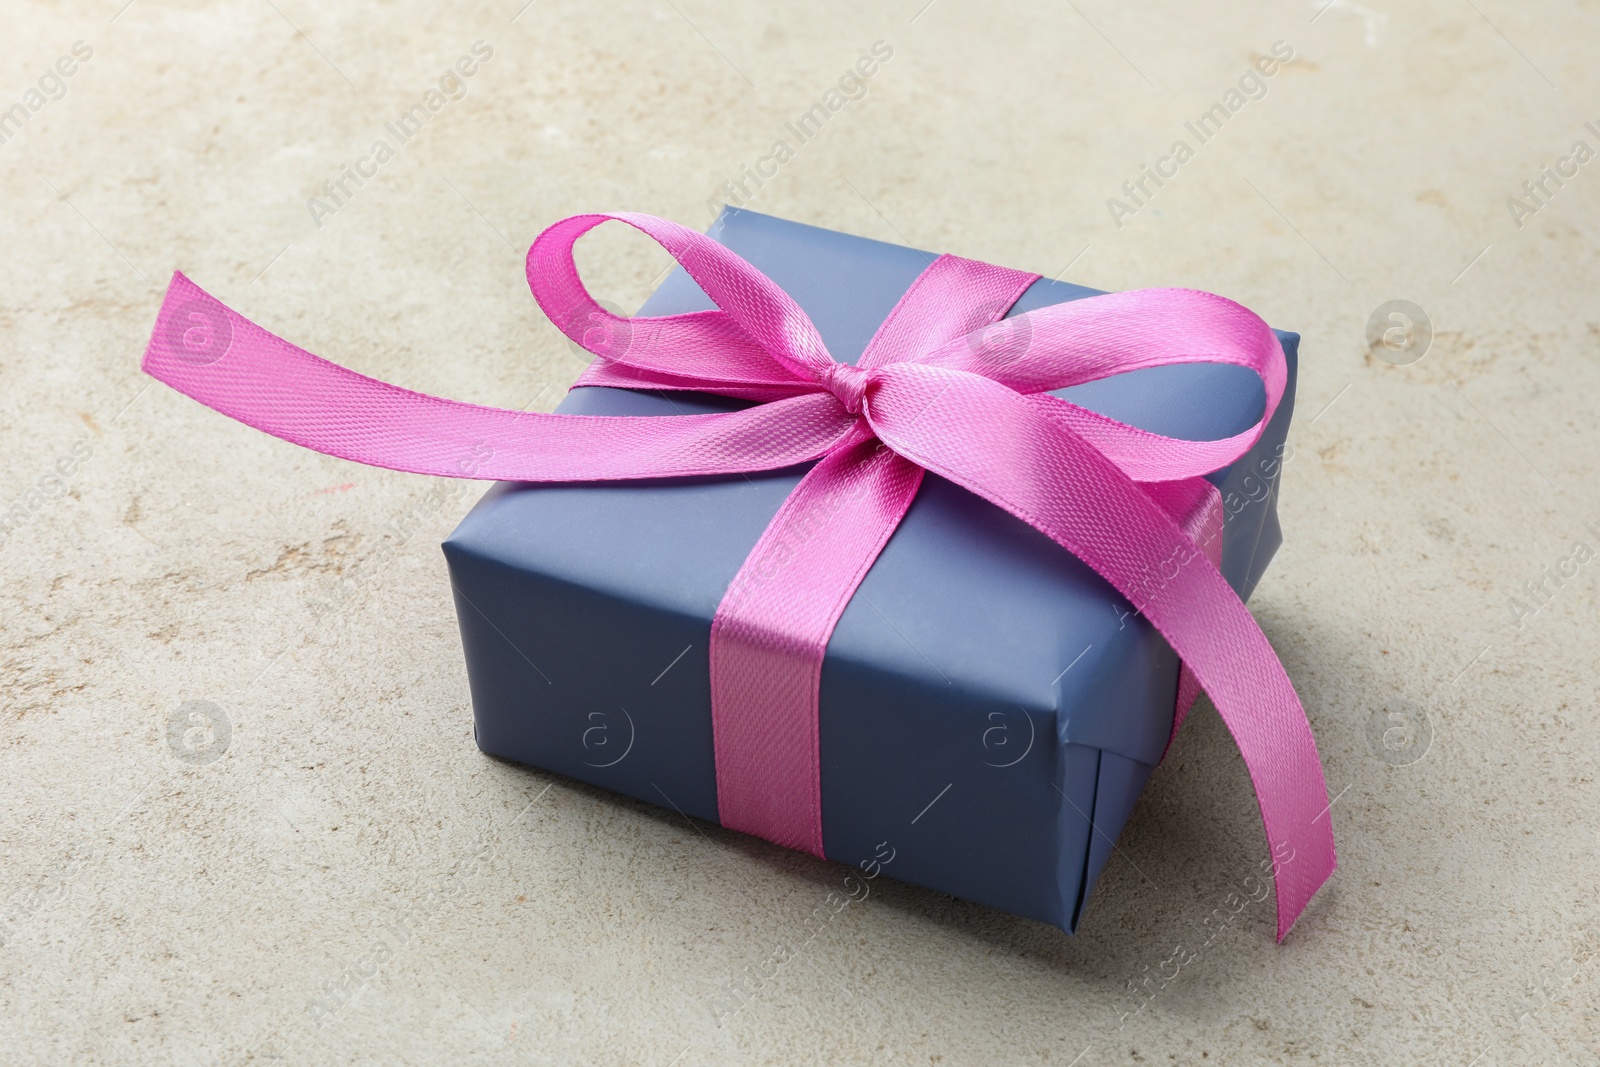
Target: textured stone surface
pixel 163 906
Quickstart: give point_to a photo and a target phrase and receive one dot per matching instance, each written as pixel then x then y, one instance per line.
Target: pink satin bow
pixel 944 386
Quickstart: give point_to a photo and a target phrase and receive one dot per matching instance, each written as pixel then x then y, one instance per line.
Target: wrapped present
pixel 869 552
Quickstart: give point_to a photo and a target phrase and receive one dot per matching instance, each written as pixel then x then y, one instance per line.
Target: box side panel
pixel 964 792
pixel 573 681
pixel 1079 783
pixel 1118 786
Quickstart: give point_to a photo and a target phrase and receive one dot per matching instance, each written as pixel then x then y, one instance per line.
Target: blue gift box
pixel 990 707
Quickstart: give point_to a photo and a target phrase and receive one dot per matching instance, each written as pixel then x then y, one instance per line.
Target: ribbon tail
pixel 1196 506
pixel 211 353
pixel 771 631
pixel 989 439
pixel 615 375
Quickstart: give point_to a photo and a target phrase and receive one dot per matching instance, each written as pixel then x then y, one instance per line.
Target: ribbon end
pixel 1294 898
pixel 148 361
pixel 193 330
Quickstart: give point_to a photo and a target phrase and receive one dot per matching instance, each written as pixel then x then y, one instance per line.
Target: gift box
pixel 990 707
pixel 815 552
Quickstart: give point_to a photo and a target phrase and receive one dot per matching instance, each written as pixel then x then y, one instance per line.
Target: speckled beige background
pixel 333 874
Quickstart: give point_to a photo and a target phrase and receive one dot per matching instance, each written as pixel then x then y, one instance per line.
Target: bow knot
pixel 848 384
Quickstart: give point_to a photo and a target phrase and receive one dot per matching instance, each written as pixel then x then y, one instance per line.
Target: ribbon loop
pixel 757 334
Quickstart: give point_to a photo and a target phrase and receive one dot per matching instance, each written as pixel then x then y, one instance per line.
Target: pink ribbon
pixel 944 386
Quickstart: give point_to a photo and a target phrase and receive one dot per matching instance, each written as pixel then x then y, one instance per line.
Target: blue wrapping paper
pixel 990 707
